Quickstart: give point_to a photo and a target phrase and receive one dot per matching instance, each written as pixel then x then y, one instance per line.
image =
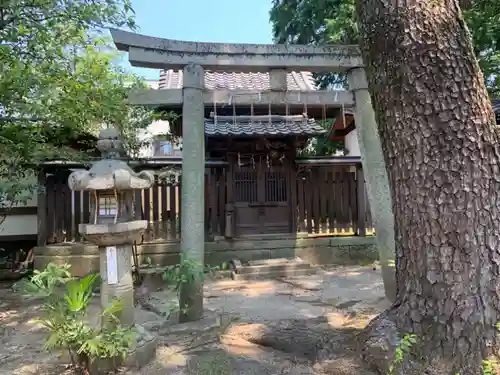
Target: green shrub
pixel 65 304
pixel 489 367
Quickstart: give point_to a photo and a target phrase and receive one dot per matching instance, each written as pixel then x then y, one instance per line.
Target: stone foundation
pixel 84 258
pixel 143 351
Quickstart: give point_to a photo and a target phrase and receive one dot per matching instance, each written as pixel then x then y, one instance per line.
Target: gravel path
pixel 348 297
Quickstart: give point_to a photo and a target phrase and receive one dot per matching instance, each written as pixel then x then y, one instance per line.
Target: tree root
pixel 379 340
pixel 299 337
pixel 373 348
pixel 333 351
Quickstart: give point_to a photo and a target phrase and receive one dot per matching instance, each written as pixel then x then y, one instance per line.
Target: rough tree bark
pixel 442 151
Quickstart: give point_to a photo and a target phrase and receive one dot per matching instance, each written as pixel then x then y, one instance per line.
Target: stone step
pixel 279 267
pixel 274 261
pixel 272 274
pixel 153 276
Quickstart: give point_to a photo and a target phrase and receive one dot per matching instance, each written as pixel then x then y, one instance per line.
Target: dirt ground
pixel 283 326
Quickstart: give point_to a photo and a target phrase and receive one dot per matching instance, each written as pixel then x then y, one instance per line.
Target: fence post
pixel 41 209
pixel 360 182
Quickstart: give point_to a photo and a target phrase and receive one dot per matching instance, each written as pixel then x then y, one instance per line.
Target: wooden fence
pixel 332 199
pixel 329 199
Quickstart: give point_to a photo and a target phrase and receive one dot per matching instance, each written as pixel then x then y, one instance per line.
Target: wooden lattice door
pixel 261 199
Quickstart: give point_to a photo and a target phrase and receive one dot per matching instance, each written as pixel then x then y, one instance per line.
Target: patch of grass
pixel 211 363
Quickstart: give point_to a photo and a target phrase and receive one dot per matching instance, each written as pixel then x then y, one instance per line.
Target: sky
pixel 219 21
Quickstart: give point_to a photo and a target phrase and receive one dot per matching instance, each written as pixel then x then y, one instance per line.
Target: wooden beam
pixel 22 210
pixel 173 97
pixel 343 132
pixel 342 125
pixel 6 238
pixel 159 53
pixel 328 160
pixel 243 118
pixel 140 164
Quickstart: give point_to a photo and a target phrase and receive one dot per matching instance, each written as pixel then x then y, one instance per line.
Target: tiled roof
pixel 297 81
pixel 276 127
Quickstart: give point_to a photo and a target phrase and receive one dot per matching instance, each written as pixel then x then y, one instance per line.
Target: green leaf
pixel 60 82
pixel 79 293
pixel 320 22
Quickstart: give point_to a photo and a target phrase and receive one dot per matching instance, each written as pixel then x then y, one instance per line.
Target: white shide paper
pixel 112 265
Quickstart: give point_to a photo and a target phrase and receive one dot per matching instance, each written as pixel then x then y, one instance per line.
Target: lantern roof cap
pixel 109 173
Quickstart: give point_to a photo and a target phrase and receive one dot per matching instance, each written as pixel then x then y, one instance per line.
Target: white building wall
pixel 14 225
pixel 151 135
pixel 19 225
pixel 351 143
pixel 154 132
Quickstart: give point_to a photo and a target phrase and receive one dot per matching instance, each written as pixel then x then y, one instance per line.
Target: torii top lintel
pixel 159 53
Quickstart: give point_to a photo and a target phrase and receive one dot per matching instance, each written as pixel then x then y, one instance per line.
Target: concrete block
pixel 275 268
pixel 84 258
pixel 143 352
pixel 272 274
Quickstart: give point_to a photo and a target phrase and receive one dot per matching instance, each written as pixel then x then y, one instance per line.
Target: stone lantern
pixel 111 183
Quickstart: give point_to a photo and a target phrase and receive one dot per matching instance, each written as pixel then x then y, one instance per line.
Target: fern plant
pixel 492 366
pixel 489 366
pixel 186 271
pixel 403 349
pixel 64 314
pixel 44 283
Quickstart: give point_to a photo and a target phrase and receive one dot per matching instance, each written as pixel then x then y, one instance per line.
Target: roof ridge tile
pixel 296 81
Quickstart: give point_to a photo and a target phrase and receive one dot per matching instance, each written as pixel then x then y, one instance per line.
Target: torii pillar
pixel 377 181
pixel 193 191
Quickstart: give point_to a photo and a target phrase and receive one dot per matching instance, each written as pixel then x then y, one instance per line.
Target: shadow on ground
pixel 298 325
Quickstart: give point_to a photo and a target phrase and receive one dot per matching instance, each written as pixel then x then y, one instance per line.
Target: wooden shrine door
pixel 262 199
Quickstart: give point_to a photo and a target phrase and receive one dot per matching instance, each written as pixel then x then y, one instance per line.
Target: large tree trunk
pixel 442 151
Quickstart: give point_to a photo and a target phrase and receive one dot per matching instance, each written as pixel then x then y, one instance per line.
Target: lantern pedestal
pixel 113 228
pixel 113 234
pixel 115 250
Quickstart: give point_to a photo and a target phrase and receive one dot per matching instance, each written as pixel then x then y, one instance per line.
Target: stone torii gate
pixel 195 57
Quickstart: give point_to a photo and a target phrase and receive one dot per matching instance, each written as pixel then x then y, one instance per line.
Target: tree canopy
pixel 334 21
pixel 59 79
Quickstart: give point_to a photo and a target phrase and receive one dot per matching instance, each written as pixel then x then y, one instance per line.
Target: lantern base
pixel 142 352
pixel 113 234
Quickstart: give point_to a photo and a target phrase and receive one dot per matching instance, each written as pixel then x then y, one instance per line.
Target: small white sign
pixel 112 265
